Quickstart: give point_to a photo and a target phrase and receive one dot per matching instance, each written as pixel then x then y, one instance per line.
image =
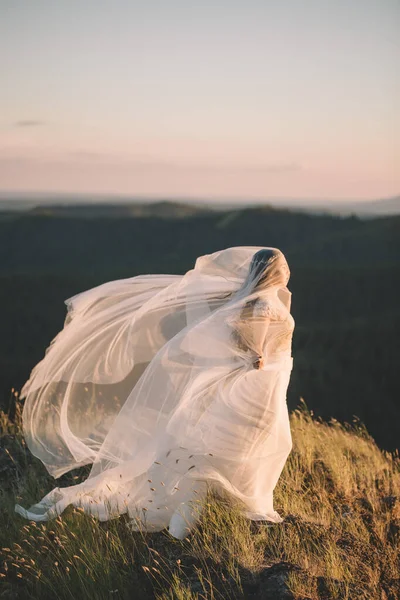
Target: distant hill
pixel 163 209
pixel 56 239
pixel 375 242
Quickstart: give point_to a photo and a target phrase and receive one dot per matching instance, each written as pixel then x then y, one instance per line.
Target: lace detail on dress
pixel 261 308
pixel 264 308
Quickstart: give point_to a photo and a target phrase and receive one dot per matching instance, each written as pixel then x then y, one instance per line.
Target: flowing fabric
pixel 152 381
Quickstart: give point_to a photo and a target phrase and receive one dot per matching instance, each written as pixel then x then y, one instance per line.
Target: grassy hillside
pixel 339 495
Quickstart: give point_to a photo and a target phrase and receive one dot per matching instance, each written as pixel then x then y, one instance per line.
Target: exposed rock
pixel 325 585
pixel 390 501
pixel 272 583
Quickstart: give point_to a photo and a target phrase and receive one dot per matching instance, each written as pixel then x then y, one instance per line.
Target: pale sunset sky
pixel 211 99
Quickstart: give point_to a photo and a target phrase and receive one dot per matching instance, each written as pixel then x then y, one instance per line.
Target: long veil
pixel 130 379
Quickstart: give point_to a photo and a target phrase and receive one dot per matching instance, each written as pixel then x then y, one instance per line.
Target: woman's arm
pixel 252 328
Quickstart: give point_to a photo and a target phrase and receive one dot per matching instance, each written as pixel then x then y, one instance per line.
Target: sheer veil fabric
pixel 152 381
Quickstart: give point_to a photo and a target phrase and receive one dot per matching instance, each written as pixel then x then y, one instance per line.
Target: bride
pixel 168 384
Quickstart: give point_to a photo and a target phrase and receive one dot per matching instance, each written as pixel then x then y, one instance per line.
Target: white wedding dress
pixel 152 382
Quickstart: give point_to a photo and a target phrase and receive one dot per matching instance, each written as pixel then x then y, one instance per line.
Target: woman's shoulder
pixel 269 307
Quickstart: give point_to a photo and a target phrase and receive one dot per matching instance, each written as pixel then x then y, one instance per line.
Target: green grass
pixel 339 495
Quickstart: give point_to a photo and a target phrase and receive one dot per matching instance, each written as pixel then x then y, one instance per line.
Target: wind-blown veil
pixel 132 373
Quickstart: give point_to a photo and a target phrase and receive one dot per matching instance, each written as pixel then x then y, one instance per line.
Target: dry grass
pixel 339 494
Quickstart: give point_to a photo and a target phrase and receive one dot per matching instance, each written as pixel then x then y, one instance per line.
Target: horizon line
pixel 48 195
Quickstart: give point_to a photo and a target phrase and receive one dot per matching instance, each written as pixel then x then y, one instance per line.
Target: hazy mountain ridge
pixel 390 206
pixel 160 209
pixel 108 206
